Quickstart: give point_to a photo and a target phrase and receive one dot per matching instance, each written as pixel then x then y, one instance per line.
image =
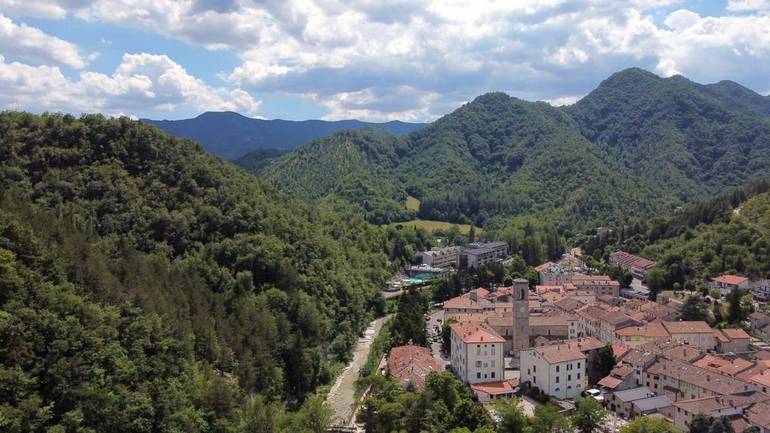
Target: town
pixel 575 334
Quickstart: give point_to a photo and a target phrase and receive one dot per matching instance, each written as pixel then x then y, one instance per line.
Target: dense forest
pixel 136 268
pixel 726 234
pixel 637 145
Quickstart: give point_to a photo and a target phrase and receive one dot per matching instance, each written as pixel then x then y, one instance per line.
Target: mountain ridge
pixel 638 143
pixel 232 135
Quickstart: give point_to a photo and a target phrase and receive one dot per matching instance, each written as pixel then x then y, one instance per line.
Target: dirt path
pixel 341 397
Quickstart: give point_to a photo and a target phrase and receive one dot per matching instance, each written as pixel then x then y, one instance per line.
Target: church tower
pixel 520 315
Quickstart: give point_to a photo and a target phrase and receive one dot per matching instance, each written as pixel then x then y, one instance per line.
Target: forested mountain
pixel 355 166
pixel 726 234
pixel 231 135
pixel 638 144
pixel 694 140
pixel 146 285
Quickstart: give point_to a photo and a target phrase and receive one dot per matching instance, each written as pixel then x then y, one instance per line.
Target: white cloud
pixel 564 100
pixel 141 82
pixel 748 5
pixel 414 59
pixel 32 44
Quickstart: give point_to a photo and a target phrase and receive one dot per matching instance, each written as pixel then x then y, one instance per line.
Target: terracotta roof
pixel 568 350
pixel 651 330
pixel 476 332
pixel 569 304
pixel 732 280
pixel 541 288
pixel 411 364
pixel 759 415
pixel 610 382
pixel 682 352
pixel 466 301
pixel 688 327
pixel 709 405
pixel 493 388
pixel 714 382
pixel 736 334
pixel 554 320
pixel 622 370
pixel 758 315
pixel 619 350
pixel 721 336
pixel 627 259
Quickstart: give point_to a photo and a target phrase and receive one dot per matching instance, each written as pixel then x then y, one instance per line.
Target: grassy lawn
pixel 430 225
pixel 682 294
pixel 412 203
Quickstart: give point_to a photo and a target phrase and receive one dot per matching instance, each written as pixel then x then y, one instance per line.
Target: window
pixel 556 390
pixel 578 376
pixel 534 368
pixel 478 375
pixel 557 379
pixel 569 377
pixel 478 364
pixel 493 375
pixel 528 372
pixel 578 365
pixel 557 368
pixel 534 379
pixel 493 350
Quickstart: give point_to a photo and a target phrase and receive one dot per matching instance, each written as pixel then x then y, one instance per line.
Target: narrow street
pixel 341 396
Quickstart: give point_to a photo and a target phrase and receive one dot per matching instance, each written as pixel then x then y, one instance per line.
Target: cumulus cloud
pixel 415 59
pixel 32 44
pixel 141 82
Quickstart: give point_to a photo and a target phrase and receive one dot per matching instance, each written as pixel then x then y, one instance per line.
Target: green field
pixel 412 203
pixel 430 225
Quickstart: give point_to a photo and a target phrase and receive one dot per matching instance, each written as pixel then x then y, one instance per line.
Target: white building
pixel 441 257
pixel 477 254
pixel 477 353
pixel 558 370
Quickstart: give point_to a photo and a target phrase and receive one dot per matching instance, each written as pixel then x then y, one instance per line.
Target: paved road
pixel 433 324
pixel 341 397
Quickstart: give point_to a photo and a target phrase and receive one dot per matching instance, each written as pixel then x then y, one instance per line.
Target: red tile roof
pixel 732 280
pixel 688 327
pixel 493 388
pixel 736 334
pixel 476 332
pixel 411 364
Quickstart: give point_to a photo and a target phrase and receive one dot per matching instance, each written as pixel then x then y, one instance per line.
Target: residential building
pixel 477 352
pixel 728 283
pixel 599 284
pixel 553 326
pixel 622 402
pixel 481 254
pixel 559 370
pixel 612 321
pixel 682 381
pixel 411 365
pixel 474 301
pixel 759 320
pixel 634 336
pixel 734 340
pixel 638 266
pixel 620 378
pixel 440 257
pixel 682 412
pixel 492 391
pixel 550 273
pixel 761 289
pixel 694 333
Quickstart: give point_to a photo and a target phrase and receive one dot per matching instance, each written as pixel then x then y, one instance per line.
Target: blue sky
pixel 412 60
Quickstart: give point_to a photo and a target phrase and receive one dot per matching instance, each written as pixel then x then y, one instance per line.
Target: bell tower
pixel 520 316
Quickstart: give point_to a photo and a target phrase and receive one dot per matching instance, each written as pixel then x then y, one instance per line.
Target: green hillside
pixel 145 283
pixel 694 140
pixel 637 145
pixel 726 234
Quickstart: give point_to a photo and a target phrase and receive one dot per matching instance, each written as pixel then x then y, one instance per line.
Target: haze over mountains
pixel 637 144
pixel 231 135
